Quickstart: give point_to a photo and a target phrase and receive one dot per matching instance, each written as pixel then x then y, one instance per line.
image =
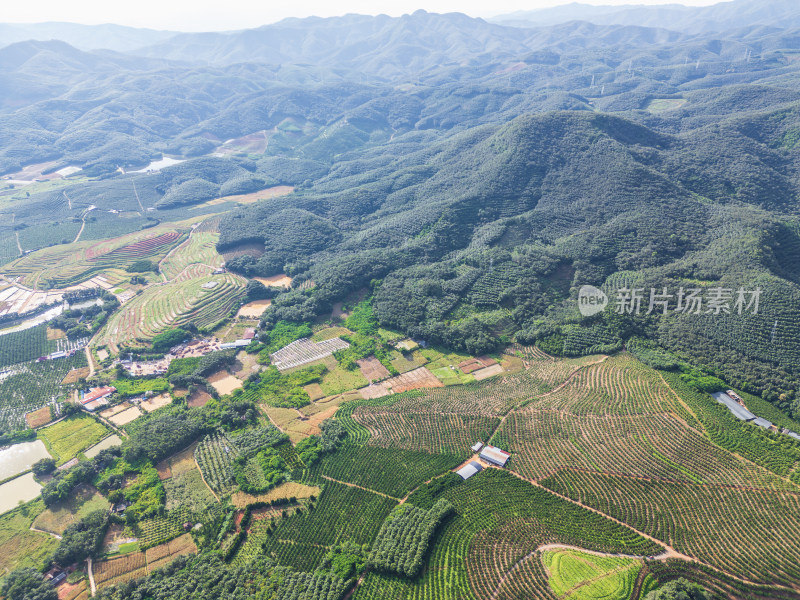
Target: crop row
pixel 498 521
pixel 657 446
pixel 215 455
pixel 750 533
pixel 32 385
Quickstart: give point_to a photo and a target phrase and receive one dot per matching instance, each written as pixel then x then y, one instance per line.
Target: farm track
pixel 353 485
pixel 80 231
pixel 669 551
pixel 553 391
pixel 136 192
pixel 89 571
pixel 55 535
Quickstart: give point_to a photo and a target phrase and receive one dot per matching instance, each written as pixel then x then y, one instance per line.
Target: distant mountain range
pixel 677 17
pixel 85 37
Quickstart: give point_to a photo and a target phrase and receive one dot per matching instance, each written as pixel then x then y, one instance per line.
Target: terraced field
pixel 199 248
pixel 69 264
pixel 195 296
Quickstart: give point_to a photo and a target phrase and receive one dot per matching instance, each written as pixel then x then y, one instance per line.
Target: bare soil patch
pixel 156 402
pixel 126 416
pixel 39 417
pixel 286 490
pixel 56 334
pixel 254 309
pixel 76 375
pixel 273 192
pixel 487 372
pixel 255 249
pixel 414 380
pixel 372 369
pixel 198 399
pixel 314 391
pixel 279 280
pixel 224 382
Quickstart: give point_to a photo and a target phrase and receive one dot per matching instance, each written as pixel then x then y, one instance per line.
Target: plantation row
pixel 433 432
pixel 776 452
pixel 341 514
pixel 619 385
pixel 68 264
pixel 527 580
pixel 404 537
pixel 716 585
pixel 752 534
pixel 498 520
pixel 223 460
pixel 657 446
pixel 32 385
pixel 25 345
pixel 215 455
pixel 390 472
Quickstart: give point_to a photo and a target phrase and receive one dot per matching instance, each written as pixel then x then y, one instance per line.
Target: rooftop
pixel 495 455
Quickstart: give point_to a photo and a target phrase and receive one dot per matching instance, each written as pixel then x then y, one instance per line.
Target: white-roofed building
pixel 469 470
pixel 495 456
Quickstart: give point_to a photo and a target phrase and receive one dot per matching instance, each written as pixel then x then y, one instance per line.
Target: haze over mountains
pixel 690 19
pixel 439 147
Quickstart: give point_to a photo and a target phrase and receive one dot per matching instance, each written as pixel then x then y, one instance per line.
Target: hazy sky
pixel 206 15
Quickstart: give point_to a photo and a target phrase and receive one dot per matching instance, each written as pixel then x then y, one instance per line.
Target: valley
pixel 306 324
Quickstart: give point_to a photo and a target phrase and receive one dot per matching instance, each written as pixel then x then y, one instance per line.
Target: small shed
pixel 791 433
pixel 494 455
pixel 762 423
pixel 477 447
pixel 469 470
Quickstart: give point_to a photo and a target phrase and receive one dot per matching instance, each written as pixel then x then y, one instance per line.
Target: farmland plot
pixel 304 351
pixel 712 523
pixel 70 264
pixel 30 386
pixel 176 303
pixel 200 248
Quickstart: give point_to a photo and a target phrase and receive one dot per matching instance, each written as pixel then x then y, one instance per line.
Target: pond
pixel 20 457
pixel 157 165
pixel 21 489
pixel 112 440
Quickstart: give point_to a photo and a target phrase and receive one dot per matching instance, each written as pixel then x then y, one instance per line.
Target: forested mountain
pixel 471 176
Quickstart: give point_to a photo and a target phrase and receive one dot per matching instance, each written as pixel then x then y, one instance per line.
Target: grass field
pixel 583 576
pixel 19 546
pixel 65 439
pixel 83 500
pixel 339 379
